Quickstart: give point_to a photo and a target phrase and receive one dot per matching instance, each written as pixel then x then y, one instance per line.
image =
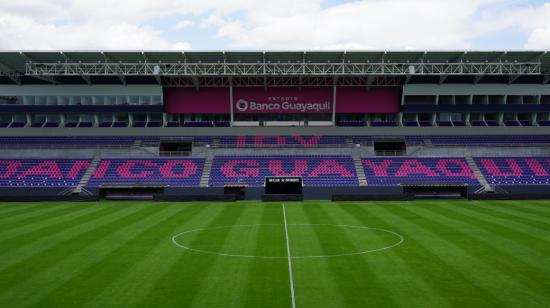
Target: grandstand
pixel 358 125
pixel 303 178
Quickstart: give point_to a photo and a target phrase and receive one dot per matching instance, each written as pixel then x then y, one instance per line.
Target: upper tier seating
pixel 480 140
pixel 383 124
pixel 222 123
pixel 281 141
pixel 172 172
pixel 393 171
pixel 120 124
pixel 17 124
pixel 72 142
pixel 198 124
pixel 252 170
pixel 88 141
pixel 515 171
pixel 351 123
pixel 41 172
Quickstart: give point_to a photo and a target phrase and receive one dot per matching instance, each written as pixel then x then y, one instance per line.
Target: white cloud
pixel 24 33
pixel 183 24
pixel 270 24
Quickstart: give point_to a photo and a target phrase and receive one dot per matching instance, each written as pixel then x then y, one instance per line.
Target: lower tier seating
pixel 315 170
pixel 394 171
pixel 172 172
pixel 515 170
pixel 41 172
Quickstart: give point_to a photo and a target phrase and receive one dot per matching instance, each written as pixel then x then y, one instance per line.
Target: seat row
pixel 316 170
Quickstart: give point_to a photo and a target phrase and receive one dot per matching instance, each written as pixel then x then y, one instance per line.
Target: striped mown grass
pixel 122 254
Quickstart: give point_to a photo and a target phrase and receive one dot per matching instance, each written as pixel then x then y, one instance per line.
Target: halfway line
pixel 289 261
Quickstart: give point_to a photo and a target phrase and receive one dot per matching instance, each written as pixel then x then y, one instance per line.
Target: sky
pixel 274 25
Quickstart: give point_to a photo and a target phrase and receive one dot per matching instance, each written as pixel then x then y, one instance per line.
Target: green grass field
pixel 348 254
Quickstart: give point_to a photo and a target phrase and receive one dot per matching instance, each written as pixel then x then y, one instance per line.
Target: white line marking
pixel 175 242
pixel 289 260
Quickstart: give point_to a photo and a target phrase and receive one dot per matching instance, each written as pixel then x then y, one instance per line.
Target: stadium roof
pixel 43 64
pixel 16 60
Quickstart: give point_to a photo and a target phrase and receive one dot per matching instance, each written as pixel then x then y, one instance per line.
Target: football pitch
pixel 253 254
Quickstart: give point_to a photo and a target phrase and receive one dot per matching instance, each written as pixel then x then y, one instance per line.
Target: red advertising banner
pixel 368 100
pixel 282 100
pixel 202 101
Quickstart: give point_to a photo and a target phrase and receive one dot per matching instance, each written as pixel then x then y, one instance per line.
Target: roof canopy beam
pixel 281 69
pixel 10 72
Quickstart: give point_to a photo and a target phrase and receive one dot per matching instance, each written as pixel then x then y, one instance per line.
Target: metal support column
pixel 232 118
pixel 334 105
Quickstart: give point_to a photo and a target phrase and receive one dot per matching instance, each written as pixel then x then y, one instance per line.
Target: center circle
pixel 306 240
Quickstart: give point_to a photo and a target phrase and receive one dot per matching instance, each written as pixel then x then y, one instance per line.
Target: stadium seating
pixel 172 172
pixel 17 124
pixel 315 170
pixel 525 123
pixel 480 140
pixel 351 123
pixel 280 141
pixel 198 124
pixel 154 124
pixel 364 140
pixel 41 172
pixel 383 124
pixel 51 124
pixel 445 123
pixel 72 142
pixel 512 123
pixel 120 124
pixel 411 123
pixel 394 171
pixel 222 124
pixel 515 171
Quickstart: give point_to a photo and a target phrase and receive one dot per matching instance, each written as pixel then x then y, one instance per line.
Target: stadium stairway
pixel 137 143
pixel 207 169
pixel 216 142
pixel 428 142
pixel 480 177
pixel 87 175
pixel 360 170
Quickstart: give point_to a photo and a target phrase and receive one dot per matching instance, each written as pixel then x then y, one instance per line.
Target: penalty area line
pixel 289 257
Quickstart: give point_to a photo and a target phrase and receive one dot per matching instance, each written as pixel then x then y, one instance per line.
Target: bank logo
pixel 242 105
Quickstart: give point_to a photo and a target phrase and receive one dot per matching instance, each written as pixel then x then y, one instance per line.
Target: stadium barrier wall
pixel 517 192
pixel 34 194
pixel 514 192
